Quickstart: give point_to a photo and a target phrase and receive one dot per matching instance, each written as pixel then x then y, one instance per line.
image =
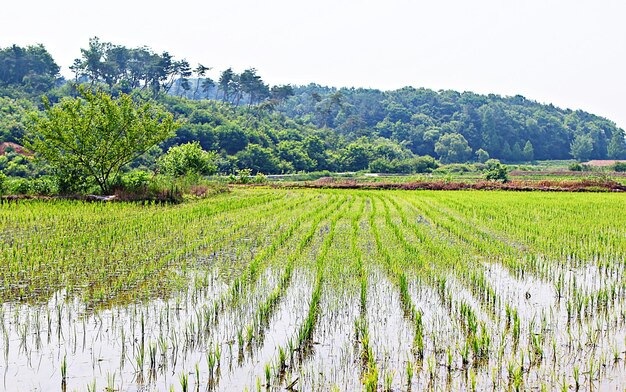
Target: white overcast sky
pixel 571 53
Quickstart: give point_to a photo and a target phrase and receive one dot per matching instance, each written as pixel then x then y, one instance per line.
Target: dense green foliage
pixel 188 158
pixel 287 129
pixel 496 171
pixel 512 129
pixel 13 115
pixel 3 179
pixel 26 71
pixel 94 135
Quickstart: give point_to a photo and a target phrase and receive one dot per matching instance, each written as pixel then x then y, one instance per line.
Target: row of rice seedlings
pixel 536 348
pixel 230 326
pixel 534 338
pixel 537 222
pixel 240 285
pixel 299 347
pixel 120 254
pixel 408 307
pixel 247 221
pixel 250 333
pixel 245 336
pixel 187 335
pixel 392 331
pixel 303 340
pixel 477 339
pixel 600 235
pixel 267 308
pixel 369 368
pixel 238 258
pixel 332 363
pixel 457 255
pixel 484 244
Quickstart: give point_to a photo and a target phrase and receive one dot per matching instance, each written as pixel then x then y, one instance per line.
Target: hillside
pixel 418 118
pixel 283 129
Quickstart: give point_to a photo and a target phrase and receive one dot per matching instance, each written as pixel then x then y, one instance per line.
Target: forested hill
pixel 419 118
pixel 446 124
pixel 281 129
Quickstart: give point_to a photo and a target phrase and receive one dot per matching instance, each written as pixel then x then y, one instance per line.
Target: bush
pixel 20 186
pixel 243 176
pixel 482 156
pixel 188 158
pixel 136 181
pixel 423 164
pixel 382 165
pixel 43 186
pixel 177 189
pixel 260 178
pixel 71 181
pixel 3 180
pixel 496 171
pixel 576 167
pixel 619 167
pixel 456 168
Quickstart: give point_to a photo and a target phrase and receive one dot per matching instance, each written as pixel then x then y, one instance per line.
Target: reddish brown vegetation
pixel 587 185
pixel 4 146
pixel 525 173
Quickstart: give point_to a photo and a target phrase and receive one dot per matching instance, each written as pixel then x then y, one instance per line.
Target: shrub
pixel 619 167
pixel 21 186
pixel 44 186
pixel 423 164
pixel 244 176
pixel 3 180
pixel 481 155
pixel 136 181
pixel 260 178
pixel 382 165
pixel 71 181
pixel 496 171
pixel 188 158
pixel 459 168
pixel 576 167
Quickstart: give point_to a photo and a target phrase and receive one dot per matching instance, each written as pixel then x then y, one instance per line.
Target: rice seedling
pixel 184 382
pixel 379 290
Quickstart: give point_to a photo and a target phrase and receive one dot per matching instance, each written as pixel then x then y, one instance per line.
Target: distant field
pixel 316 289
pixel 544 170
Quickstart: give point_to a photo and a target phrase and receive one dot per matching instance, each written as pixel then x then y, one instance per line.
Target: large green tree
pixel 31 68
pixel 617 145
pixel 529 151
pixel 95 134
pixel 582 147
pixel 452 147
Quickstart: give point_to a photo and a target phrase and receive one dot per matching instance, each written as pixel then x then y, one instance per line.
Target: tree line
pixel 460 127
pixel 285 129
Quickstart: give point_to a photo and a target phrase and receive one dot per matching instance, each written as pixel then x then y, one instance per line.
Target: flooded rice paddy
pixel 316 290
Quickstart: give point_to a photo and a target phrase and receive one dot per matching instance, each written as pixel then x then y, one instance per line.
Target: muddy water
pixel 332 363
pixel 391 334
pixel 107 346
pixel 246 364
pixel 530 297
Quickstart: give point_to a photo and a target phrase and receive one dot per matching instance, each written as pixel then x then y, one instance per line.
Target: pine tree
pixel 617 145
pixel 529 151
